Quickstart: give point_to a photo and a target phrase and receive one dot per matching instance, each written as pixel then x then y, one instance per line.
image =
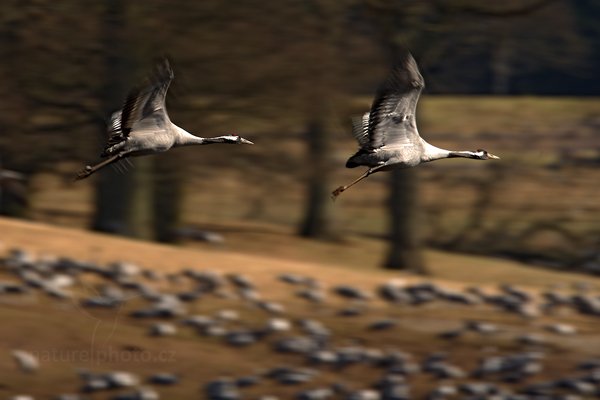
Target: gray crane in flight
pixel 143 126
pixel 387 135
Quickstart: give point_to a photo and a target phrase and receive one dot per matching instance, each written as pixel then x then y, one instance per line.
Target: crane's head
pixel 484 155
pixel 235 139
pixel 476 155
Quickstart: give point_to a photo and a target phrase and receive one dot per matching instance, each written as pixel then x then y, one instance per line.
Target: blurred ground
pixel 67 330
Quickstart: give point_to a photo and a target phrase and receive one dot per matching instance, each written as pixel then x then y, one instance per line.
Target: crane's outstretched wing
pixel 392 117
pixel 141 102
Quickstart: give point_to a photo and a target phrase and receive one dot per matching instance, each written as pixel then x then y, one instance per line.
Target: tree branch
pixel 492 12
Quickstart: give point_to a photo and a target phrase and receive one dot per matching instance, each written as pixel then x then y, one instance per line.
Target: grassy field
pixel 67 336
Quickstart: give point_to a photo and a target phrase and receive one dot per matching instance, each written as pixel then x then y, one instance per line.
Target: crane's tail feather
pixel 123 166
pixel 119 167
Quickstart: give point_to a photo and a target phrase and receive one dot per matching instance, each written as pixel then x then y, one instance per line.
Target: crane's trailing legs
pixel 90 169
pixel 339 190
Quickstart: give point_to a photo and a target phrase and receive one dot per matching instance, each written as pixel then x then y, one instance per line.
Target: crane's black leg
pixel 90 169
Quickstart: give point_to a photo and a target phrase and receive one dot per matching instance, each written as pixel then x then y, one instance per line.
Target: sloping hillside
pixel 221 313
pixel 273 251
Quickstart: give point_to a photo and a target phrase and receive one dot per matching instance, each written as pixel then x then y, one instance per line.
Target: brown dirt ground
pixel 64 334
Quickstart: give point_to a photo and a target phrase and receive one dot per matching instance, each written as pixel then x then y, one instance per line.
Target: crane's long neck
pixel 184 138
pixel 432 153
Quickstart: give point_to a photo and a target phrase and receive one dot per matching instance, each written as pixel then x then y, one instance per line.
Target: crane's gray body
pixel 153 134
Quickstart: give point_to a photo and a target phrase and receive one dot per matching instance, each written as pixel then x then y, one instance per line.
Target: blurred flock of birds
pixel 164 300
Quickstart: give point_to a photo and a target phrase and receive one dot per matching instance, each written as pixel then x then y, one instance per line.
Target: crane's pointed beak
pixel 245 141
pixel 493 156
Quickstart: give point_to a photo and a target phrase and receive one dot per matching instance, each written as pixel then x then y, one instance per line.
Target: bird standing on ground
pixel 388 135
pixel 143 126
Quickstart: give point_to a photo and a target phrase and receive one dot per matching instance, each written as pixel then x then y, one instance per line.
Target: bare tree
pixel 317 218
pixel 405 244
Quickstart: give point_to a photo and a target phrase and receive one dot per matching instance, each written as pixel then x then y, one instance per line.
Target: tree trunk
pixel 14 201
pixel 405 246
pixel 168 197
pixel 140 204
pixel 122 198
pixel 405 242
pixel 317 221
pixel 112 192
pixel 13 198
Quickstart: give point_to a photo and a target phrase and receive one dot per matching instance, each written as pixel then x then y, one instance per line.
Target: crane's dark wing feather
pixel 392 117
pixel 142 102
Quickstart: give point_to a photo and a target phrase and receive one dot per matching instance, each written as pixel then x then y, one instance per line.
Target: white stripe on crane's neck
pixel 184 138
pixel 432 153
